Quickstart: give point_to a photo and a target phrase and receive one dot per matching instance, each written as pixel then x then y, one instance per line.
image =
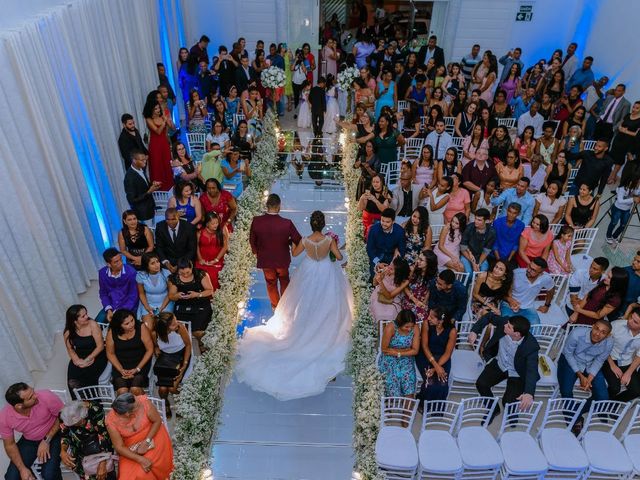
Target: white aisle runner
pixel 262 438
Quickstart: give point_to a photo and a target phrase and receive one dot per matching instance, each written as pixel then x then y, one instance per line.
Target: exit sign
pixel 524 13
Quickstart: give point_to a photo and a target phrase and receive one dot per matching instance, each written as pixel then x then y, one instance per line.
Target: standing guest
pixel 582 281
pixel 508 231
pixel 186 203
pixel 527 284
pixel 510 82
pixel 477 240
pixel 406 197
pixel 582 209
pixel 448 248
pixel 535 241
pixel 243 78
pixel 614 109
pixel 439 139
pixel 431 50
pixel 175 240
pixel 271 237
pixel 129 139
pixel 437 340
pixel 570 62
pixel 253 112
pixel 134 238
pixel 139 438
pixel 402 78
pixel 129 350
pixel 521 104
pixel 469 61
pixel 511 58
pixel 139 189
pixel 218 200
pixel 117 284
pixel 560 254
pixel 478 171
pixel 213 243
pixel 385 92
pixel 459 199
pixel 450 294
pixel 399 345
pixel 309 61
pixel 571 143
pixel 386 240
pixel 418 233
pixel 625 140
pixel 173 351
pixel 199 50
pixel 512 355
pixel 318 102
pixel 511 170
pixel 34 414
pixel 372 202
pixel 224 65
pixel 191 290
pixel 621 368
pixel 387 140
pixel 388 293
pixel 159 149
pixel 603 299
pixel 153 288
pixel 520 195
pixel 163 81
pixel 627 196
pixel 84 434
pixel 423 271
pixel 85 346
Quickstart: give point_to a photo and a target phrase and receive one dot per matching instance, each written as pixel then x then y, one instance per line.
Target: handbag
pixel 90 463
pixel 298 76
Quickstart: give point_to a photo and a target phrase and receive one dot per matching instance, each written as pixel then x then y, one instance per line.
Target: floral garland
pixel 368 382
pixel 201 396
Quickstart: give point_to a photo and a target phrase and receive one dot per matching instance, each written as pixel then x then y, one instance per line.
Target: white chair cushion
pixel 522 454
pixel 438 452
pixel 562 450
pixel 552 378
pixel 632 445
pixel 555 316
pixel 478 449
pixel 396 448
pixel 606 453
pixel 466 365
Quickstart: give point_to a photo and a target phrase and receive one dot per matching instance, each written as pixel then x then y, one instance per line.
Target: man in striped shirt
pixel 469 61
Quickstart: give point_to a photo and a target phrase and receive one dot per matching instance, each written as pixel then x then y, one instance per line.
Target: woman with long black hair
pixel 603 299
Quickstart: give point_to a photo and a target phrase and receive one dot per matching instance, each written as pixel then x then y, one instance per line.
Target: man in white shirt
pixel 581 282
pixel 527 284
pixel 570 62
pixel 439 140
pixel 531 118
pixel 621 368
pixel 536 173
pixel 593 93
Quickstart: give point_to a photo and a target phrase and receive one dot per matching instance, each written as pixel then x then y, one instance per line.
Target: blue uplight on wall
pixel 164 12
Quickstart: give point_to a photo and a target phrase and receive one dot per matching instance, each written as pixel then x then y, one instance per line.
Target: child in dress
pixel 304 114
pixel 560 256
pixel 332 113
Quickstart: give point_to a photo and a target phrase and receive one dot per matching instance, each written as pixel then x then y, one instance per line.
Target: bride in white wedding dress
pixel 303 346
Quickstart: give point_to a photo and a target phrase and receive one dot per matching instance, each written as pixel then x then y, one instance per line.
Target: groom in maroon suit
pixel 271 237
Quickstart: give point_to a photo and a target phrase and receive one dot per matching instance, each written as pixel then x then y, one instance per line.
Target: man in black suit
pixel 129 139
pixel 138 189
pixel 431 50
pixel 243 75
pixel 512 355
pixel 175 239
pixel 318 101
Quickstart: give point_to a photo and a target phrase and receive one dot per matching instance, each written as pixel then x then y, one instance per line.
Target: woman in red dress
pixel 218 200
pixel 213 242
pixel 159 149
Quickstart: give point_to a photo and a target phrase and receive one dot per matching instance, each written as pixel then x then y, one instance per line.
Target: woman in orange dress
pixel 213 243
pixel 140 438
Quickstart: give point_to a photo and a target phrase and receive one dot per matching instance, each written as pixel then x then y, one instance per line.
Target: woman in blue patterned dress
pixel 400 344
pixel 418 235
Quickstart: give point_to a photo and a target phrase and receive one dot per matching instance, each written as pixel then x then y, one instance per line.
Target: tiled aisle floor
pixel 263 438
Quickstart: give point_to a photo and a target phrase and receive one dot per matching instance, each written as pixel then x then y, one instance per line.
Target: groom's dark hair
pixel 273 201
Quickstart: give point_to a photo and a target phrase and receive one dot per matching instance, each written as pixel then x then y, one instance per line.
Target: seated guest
pixel 186 203
pixel 138 189
pixel 191 290
pixel 439 139
pixel 527 284
pixel 603 299
pixel 559 258
pixel 373 201
pixel 482 198
pixel 34 414
pixel 447 292
pixel 621 368
pixel 551 203
pixel 582 281
pixel 173 351
pixel 213 243
pixel 558 171
pixel 406 197
pixel 129 350
pixel 490 288
pixel 510 170
pixel 84 434
pixel 448 248
pixel 117 283
pixel 183 167
pixel 217 199
pixel 389 286
pixel 211 165
pixel 386 240
pixel 582 209
pixel 129 140
pixel 536 173
pixel 531 119
pixel 85 346
pixel 437 340
pixel 535 241
pixel 418 233
pixel 477 240
pixel 140 438
pixel 633 290
pixel 449 166
pixel 423 271
pixel 478 171
pixel 153 288
pixel 423 168
pixel 459 199
pixel 175 240
pixel 242 140
pixel 512 355
pixel 585 352
pixel 134 238
pixel 517 194
pixel 508 230
pixel 234 169
pixel 400 344
pixel 525 144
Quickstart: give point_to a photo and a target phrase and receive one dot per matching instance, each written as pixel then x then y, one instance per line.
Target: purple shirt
pixel 117 293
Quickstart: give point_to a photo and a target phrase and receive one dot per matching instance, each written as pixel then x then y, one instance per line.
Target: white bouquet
pixel 346 78
pixel 273 77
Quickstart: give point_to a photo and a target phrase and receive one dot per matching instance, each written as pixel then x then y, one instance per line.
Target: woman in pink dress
pixel 559 260
pixel 459 199
pixel 387 295
pixel 159 149
pixel 448 248
pixel 213 243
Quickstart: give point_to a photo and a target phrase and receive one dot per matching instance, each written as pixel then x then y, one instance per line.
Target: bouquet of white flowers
pixel 273 77
pixel 346 78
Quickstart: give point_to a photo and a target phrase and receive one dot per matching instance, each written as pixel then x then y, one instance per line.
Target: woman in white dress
pixel 332 113
pixel 436 201
pixel 304 113
pixel 303 346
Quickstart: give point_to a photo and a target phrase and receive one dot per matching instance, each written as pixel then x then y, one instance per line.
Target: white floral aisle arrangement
pixel 346 77
pixel 201 396
pixel 368 382
pixel 273 77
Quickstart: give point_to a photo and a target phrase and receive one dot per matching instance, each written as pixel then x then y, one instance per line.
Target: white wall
pixel 16 12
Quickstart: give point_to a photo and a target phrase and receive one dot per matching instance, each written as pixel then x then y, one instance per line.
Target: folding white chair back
pixel 396 449
pixel 159 403
pixel 196 144
pixel 437 449
pixel 556 315
pixel 393 175
pixel 555 228
pixel 572 177
pixel 413 148
pixel 62 395
pixel 468 316
pixel 435 234
pixel 631 439
pixel 583 240
pixel 547 337
pixel 507 122
pixel 384 171
pixel 466 362
pixel 462 277
pixel 449 125
pixel 456 142
pixel 237 117
pixel 99 393
pixel 588 144
pixel 403 105
pixel 556 124
pixel 162 199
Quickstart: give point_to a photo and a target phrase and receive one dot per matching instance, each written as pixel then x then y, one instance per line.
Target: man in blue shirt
pixel 522 104
pixel 517 194
pixel 385 240
pixel 508 230
pixel 447 292
pixel 513 56
pixel 277 61
pixel 583 77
